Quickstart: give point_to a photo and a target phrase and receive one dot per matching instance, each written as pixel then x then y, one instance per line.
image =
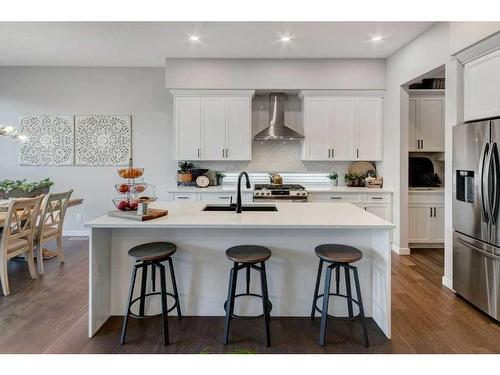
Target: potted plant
pixel 23 189
pixel 333 176
pixel 353 180
pixel 184 175
pixel 219 176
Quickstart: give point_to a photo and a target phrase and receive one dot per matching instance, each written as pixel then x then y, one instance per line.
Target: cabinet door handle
pixel 329 153
pixel 422 142
pixel 227 152
pixel 430 210
pixel 198 152
pixel 434 211
pixel 333 152
pixel 357 153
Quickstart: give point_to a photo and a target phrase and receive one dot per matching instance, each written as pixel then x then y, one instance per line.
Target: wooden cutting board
pixel 153 213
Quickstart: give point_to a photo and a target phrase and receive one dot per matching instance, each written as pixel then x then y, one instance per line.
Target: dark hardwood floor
pixel 49 315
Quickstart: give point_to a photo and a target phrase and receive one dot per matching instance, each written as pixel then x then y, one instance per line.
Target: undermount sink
pixel 232 208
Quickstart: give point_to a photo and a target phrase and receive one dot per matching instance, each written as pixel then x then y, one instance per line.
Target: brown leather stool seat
pixel 338 253
pixel 157 251
pixel 248 254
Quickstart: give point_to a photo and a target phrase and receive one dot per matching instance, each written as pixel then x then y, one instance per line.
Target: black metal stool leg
pixel 230 300
pixel 360 302
pixel 316 288
pixel 153 277
pixel 248 279
pixel 337 278
pixel 348 291
pixel 164 308
pixel 265 302
pixel 174 285
pixel 324 310
pixel 143 288
pixel 127 309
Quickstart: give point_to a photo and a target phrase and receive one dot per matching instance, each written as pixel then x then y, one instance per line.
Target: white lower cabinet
pixel 379 204
pixel 211 197
pixel 426 219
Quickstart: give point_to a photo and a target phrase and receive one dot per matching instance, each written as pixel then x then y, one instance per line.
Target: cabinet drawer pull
pixel 377 198
pixel 224 197
pixel 335 197
pixel 182 197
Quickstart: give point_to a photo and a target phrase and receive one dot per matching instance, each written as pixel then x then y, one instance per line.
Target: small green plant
pixel 10 185
pixel 333 176
pixel 185 167
pixel 209 350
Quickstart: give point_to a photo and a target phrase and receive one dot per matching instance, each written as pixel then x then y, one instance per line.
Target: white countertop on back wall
pixel 320 188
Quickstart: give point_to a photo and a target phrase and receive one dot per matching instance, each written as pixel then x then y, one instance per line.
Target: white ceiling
pixel 149 43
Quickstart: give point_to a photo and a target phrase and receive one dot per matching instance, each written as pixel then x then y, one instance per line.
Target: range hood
pixel 277 129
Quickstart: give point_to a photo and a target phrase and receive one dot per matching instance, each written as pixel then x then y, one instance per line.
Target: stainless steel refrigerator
pixel 476 193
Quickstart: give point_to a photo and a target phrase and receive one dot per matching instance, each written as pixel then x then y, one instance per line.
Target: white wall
pixel 284 74
pixel 429 51
pixel 423 54
pixel 137 91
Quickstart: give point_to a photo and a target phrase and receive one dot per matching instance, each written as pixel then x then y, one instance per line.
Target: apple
pixel 123 205
pixel 132 205
pixel 123 188
pixel 140 188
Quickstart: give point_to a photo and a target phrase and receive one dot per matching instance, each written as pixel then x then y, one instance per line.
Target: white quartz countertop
pixel 289 215
pixel 310 188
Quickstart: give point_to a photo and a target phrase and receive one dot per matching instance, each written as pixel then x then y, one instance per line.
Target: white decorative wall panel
pixel 50 140
pixel 103 140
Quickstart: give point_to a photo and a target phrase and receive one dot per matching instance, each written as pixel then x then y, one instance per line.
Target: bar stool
pixel 247 256
pixel 339 256
pixel 145 255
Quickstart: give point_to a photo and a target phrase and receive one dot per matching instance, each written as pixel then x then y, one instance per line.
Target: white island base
pixel 202 269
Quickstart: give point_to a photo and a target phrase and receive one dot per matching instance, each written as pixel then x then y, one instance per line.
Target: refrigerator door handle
pixel 482 196
pixel 494 194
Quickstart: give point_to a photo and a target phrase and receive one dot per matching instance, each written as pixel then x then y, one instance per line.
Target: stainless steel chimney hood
pixel 277 129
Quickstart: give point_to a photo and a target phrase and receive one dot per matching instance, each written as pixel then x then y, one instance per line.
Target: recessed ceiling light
pixel 194 38
pixel 376 38
pixel 285 38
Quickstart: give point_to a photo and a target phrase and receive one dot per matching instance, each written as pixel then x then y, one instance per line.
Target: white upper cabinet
pixel 342 128
pixel 369 129
pixel 187 112
pixel 426 122
pixel 239 128
pixel 213 129
pixel 213 124
pixel 482 87
pixel 318 133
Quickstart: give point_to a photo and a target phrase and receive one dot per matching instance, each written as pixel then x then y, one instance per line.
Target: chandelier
pixel 10 131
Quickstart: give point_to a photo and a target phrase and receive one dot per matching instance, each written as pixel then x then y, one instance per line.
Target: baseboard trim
pixel 76 233
pixel 447 282
pixel 400 250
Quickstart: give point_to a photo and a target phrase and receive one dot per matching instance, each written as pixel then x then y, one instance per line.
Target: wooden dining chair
pixel 50 225
pixel 18 236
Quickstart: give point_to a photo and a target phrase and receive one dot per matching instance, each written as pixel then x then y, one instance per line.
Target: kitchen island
pixel 202 270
